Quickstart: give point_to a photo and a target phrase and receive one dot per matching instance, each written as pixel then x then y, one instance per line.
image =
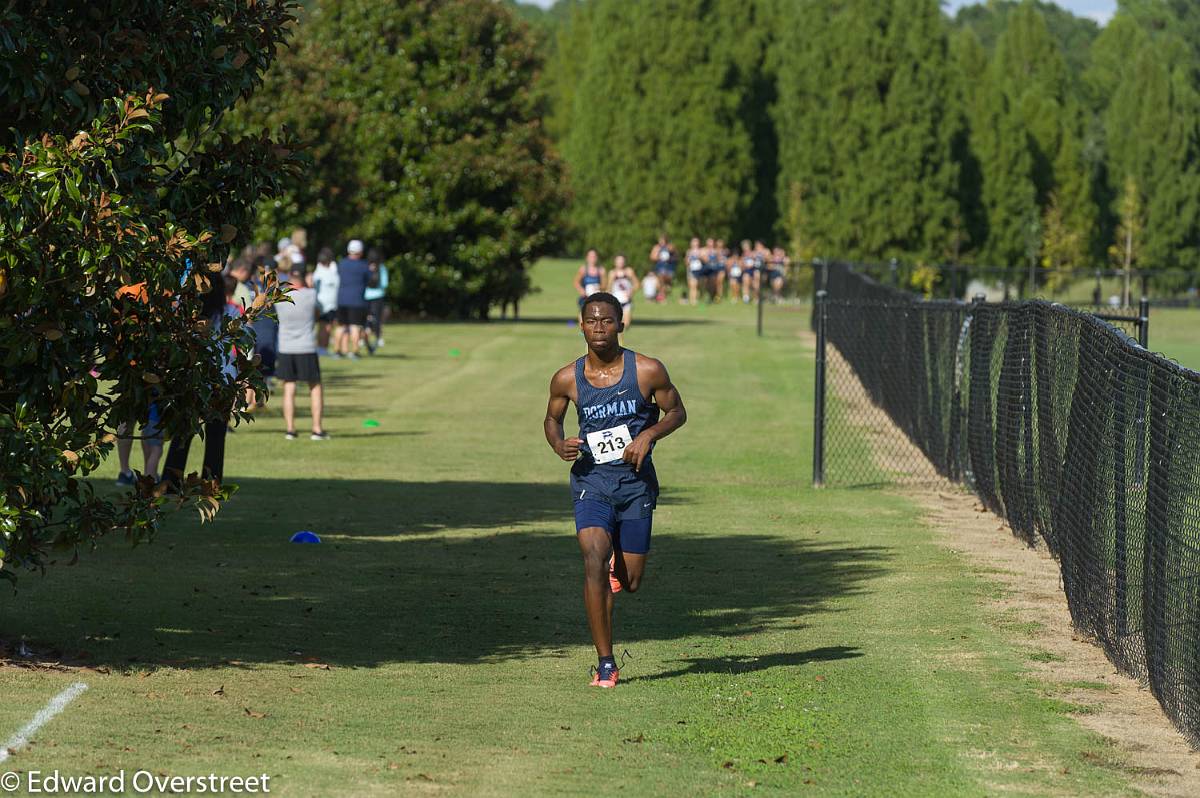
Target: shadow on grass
pixel 455 572
pixel 747 664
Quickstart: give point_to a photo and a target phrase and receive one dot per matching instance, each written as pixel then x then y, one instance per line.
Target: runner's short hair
pixel 602 296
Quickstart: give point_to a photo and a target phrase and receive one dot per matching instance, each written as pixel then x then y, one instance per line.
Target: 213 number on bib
pixel 608 445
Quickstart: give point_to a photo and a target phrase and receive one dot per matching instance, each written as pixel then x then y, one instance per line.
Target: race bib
pixel 608 445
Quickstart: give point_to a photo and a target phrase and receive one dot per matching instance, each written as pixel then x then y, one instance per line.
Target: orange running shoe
pixel 614 584
pixel 606 677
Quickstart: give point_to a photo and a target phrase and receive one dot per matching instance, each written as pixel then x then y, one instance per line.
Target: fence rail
pixel 1059 422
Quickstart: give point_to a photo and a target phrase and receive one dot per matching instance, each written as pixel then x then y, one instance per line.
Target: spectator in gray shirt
pixel 297 359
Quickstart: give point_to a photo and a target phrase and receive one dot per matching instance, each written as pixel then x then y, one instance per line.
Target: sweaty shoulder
pixel 651 372
pixel 563 381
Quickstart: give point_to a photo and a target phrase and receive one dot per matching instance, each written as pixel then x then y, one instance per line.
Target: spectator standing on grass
pixel 354 275
pixel 297 360
pixel 215 427
pixel 324 280
pixel 265 329
pixel 243 294
pixel 376 302
pixel 152 441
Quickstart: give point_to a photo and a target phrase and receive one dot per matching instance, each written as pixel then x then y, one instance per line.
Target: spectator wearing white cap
pixel 354 276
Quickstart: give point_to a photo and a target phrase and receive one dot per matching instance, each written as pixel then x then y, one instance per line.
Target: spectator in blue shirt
pixel 354 276
pixel 376 303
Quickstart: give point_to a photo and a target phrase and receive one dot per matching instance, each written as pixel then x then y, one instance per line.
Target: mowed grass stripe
pixel 824 629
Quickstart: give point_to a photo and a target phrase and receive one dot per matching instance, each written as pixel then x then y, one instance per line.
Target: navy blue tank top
pixel 590 279
pixel 604 408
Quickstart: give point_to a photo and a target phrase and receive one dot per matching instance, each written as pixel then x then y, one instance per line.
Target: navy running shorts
pixel 631 535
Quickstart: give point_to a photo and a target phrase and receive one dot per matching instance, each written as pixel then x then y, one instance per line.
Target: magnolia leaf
pixel 215 267
pixel 137 113
pixel 70 456
pixel 72 73
pixel 49 330
pixel 151 378
pixel 219 52
pixel 228 233
pixel 80 89
pixel 158 98
pixel 240 59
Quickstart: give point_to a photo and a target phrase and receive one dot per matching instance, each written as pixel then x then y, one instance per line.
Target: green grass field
pixel 786 640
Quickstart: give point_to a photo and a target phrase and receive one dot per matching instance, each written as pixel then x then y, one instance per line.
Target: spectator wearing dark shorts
pixel 297 359
pixel 216 426
pixel 376 300
pixel 354 275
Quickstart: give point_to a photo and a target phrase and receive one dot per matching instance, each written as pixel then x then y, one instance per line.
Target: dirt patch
pixel 1148 748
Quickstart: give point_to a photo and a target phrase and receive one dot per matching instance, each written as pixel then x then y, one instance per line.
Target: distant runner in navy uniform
pixel 619 395
pixel 590 277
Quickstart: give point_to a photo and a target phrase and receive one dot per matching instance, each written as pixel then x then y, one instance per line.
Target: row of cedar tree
pixel 883 128
pixel 464 142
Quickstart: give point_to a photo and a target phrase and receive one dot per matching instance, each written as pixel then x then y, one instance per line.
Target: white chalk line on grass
pixel 47 713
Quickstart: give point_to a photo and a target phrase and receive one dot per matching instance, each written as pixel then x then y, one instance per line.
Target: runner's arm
pixel 556 411
pixel 579 281
pixel 667 397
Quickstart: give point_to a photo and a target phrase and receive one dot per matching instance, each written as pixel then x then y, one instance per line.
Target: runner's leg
pixel 596 547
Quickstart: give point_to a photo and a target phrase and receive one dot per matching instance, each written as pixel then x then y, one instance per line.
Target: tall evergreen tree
pixel 1030 70
pixel 657 140
pixel 1154 144
pixel 998 145
pixel 429 144
pixel 867 127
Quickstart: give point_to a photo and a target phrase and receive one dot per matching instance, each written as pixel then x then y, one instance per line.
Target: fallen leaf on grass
pixel 255 715
pixel 321 666
pixel 638 739
pixel 727 764
pixel 219 691
pixel 781 760
pixel 820 678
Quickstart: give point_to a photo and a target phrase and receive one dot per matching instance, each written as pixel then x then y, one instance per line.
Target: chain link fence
pixel 1059 422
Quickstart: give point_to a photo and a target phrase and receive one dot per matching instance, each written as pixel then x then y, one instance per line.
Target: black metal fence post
pixel 1120 506
pixel 819 397
pixel 1144 323
pixel 1139 424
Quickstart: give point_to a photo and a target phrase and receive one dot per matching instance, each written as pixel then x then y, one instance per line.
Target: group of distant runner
pixel 713 272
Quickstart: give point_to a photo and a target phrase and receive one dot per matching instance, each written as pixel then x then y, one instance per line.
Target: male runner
pixel 618 395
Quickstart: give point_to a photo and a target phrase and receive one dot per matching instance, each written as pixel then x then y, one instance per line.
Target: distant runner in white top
pixel 623 284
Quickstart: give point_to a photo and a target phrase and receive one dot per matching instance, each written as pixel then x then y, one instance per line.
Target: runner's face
pixel 600 326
